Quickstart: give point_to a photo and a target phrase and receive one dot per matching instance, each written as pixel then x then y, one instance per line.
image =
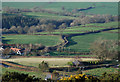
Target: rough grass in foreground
pixel 37 74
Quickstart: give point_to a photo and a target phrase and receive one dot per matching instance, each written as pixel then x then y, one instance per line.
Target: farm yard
pixel 60 40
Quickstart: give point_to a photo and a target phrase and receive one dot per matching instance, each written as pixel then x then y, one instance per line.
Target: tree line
pixel 105 49
pixel 19 24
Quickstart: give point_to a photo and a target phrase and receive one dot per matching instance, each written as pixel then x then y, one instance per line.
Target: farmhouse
pixel 1 48
pixel 16 50
pixel 49 76
pixel 77 63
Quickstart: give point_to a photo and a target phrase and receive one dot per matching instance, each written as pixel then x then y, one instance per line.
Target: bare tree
pixel 62 28
pixel 105 49
pixel 50 28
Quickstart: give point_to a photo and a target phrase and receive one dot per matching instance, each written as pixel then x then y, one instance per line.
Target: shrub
pixel 80 78
pixel 18 77
pixel 43 66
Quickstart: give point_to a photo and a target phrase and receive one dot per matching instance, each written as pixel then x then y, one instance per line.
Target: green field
pixel 82 43
pixel 47 16
pixel 84 28
pixel 81 29
pixel 34 39
pixel 70 52
pixel 74 30
pixel 100 7
pixel 100 71
pixel 117 30
pixel 65 54
pixel 110 24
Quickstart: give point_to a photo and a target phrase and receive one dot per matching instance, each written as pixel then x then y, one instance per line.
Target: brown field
pixel 53 62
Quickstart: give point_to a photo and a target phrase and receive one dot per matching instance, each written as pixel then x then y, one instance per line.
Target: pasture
pixel 47 16
pixel 100 71
pixel 100 8
pixel 82 43
pixel 46 40
pixel 82 29
pixel 110 24
pixel 79 44
pixel 66 53
pixel 73 30
pixel 117 30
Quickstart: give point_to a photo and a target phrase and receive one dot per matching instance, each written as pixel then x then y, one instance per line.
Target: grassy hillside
pixel 110 24
pixel 47 15
pixel 73 30
pixel 100 7
pixel 26 39
pixel 82 43
pixel 100 71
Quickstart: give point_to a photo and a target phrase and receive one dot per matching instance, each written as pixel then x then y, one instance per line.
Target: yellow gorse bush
pixel 76 77
pixel 79 78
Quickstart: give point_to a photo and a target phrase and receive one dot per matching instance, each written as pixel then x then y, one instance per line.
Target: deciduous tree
pixel 105 49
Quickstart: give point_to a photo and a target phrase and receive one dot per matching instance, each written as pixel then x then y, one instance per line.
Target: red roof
pixel 15 49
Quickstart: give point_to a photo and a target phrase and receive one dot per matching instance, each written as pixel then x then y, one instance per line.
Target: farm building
pixel 49 76
pixel 16 50
pixel 77 63
pixel 1 48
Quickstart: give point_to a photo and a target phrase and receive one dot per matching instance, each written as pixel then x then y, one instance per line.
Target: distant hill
pixel 99 7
